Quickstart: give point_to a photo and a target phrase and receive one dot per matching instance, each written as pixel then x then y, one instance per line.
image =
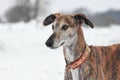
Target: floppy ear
pixel 81 17
pixel 50 19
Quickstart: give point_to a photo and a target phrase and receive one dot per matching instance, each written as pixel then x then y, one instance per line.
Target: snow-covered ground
pixel 24 56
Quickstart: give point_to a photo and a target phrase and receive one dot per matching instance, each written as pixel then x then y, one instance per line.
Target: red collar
pixel 78 62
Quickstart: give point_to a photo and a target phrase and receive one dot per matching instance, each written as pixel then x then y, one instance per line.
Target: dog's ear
pixel 79 18
pixel 50 19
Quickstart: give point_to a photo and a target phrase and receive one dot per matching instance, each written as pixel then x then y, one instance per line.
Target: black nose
pixel 49 43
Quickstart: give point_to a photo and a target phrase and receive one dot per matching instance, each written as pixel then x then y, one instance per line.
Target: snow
pixel 24 56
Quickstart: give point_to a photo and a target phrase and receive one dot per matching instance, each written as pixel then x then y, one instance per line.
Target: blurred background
pixel 23 54
pixel 102 13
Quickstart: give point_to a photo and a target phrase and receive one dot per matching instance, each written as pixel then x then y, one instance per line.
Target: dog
pixel 83 62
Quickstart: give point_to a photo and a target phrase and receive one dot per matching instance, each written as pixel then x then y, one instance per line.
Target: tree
pixel 37 6
pixel 25 10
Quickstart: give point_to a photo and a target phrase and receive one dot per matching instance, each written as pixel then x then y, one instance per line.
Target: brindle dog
pixel 102 62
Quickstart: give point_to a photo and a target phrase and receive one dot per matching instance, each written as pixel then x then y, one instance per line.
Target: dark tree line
pixel 25 10
pixel 107 18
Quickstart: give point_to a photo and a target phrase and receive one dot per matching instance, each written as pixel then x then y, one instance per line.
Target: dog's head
pixel 64 28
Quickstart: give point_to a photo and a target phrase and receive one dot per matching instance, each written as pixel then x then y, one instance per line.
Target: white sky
pixel 69 5
pixel 5 4
pixel 93 5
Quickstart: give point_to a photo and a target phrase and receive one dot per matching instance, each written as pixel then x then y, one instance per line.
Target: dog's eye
pixel 52 27
pixel 65 27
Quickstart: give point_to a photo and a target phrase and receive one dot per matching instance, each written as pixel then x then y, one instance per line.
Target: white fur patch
pixel 75 74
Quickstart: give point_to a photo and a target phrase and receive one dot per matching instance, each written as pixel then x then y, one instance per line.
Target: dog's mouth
pixel 55 47
pixel 62 43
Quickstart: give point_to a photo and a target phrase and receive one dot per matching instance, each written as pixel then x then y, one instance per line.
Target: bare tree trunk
pixel 40 7
pixel 36 8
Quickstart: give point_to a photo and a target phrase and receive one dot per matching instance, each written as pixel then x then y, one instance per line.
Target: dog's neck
pixel 75 47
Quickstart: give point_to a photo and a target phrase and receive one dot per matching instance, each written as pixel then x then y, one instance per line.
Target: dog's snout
pixel 50 41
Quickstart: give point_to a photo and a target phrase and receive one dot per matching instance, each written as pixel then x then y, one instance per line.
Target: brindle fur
pixel 103 62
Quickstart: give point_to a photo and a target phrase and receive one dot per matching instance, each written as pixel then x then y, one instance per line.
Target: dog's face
pixel 63 27
pixel 63 31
